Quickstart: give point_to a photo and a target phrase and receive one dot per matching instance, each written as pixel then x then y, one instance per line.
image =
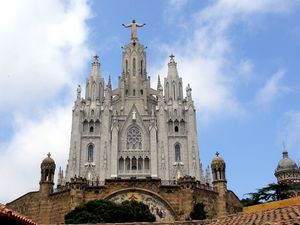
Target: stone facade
pixel 132 142
pixel 178 198
pixel 133 130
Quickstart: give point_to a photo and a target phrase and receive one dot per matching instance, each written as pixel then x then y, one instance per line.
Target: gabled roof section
pixel 11 215
pixel 138 119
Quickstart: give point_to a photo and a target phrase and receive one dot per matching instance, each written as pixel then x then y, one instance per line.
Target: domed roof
pixel 48 160
pixel 217 159
pixel 286 163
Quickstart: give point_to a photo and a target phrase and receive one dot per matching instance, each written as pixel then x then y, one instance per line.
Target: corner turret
pixel 219 182
pixel 47 175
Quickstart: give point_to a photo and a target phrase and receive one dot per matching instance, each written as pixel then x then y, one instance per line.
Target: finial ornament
pixel 96 57
pixel 48 154
pixel 133 26
pixel 172 56
pixel 217 154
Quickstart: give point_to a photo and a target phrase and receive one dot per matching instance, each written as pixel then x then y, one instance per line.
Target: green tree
pixel 102 211
pixel 198 212
pixel 272 192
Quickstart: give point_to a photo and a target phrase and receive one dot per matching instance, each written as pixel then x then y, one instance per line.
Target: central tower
pixel 134 130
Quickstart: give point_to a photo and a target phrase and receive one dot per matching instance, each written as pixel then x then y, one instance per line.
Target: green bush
pixel 102 211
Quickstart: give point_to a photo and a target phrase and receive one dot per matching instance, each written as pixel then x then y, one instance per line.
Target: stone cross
pixel 133 115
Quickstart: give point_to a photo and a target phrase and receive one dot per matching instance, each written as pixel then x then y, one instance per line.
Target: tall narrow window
pixel 147 163
pixel 94 91
pixel 141 67
pixel 90 153
pixel 176 126
pixel 133 67
pixel 167 92
pixel 121 164
pixel 133 163
pixel 133 92
pixel 177 153
pixel 126 67
pixel 174 91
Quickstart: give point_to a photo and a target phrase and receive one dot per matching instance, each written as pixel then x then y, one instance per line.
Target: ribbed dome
pixel 286 163
pixel 217 160
pixel 48 160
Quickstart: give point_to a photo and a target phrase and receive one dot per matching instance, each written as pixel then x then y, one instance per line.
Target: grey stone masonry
pixel 134 130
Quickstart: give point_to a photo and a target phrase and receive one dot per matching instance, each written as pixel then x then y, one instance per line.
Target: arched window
pixel 176 126
pixel 142 92
pixel 94 90
pixel 133 67
pixel 90 153
pixel 134 138
pixel 133 92
pixel 121 163
pixel 219 174
pixel 174 91
pixel 91 129
pixel 177 153
pixel 147 163
pixel 133 163
pixel 167 91
pixel 176 129
pixel 85 126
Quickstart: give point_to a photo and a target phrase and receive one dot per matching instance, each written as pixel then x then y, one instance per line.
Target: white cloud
pixel 43 46
pixel 177 4
pixel 43 53
pixel 207 55
pixel 233 8
pixel 271 90
pixel 21 157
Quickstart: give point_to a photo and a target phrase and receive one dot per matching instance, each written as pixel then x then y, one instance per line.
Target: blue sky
pixel 240 57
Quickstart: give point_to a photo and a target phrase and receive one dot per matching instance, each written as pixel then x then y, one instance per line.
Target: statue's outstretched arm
pixel 126 26
pixel 140 25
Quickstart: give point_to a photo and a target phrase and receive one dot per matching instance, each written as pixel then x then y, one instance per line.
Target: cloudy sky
pixel 241 58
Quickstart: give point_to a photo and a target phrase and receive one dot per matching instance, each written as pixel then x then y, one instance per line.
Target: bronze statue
pixel 133 26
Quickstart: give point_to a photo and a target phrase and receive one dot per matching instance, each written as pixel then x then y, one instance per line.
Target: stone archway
pixel 157 205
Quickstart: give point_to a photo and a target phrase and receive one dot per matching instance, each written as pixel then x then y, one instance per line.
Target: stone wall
pixel 28 205
pixel 178 198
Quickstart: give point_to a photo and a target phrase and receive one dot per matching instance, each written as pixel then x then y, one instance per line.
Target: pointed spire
pixel 109 82
pixel 172 68
pixel 208 176
pixel 95 66
pixel 158 82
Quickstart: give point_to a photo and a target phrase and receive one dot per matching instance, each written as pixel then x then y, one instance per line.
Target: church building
pixel 132 142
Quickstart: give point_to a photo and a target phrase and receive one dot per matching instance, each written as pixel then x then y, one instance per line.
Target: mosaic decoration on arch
pixel 156 206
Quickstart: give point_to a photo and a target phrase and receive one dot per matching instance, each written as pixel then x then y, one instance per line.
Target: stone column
pixel 114 152
pixel 153 150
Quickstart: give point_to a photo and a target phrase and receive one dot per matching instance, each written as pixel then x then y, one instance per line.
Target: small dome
pixel 48 160
pixel 286 163
pixel 217 160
